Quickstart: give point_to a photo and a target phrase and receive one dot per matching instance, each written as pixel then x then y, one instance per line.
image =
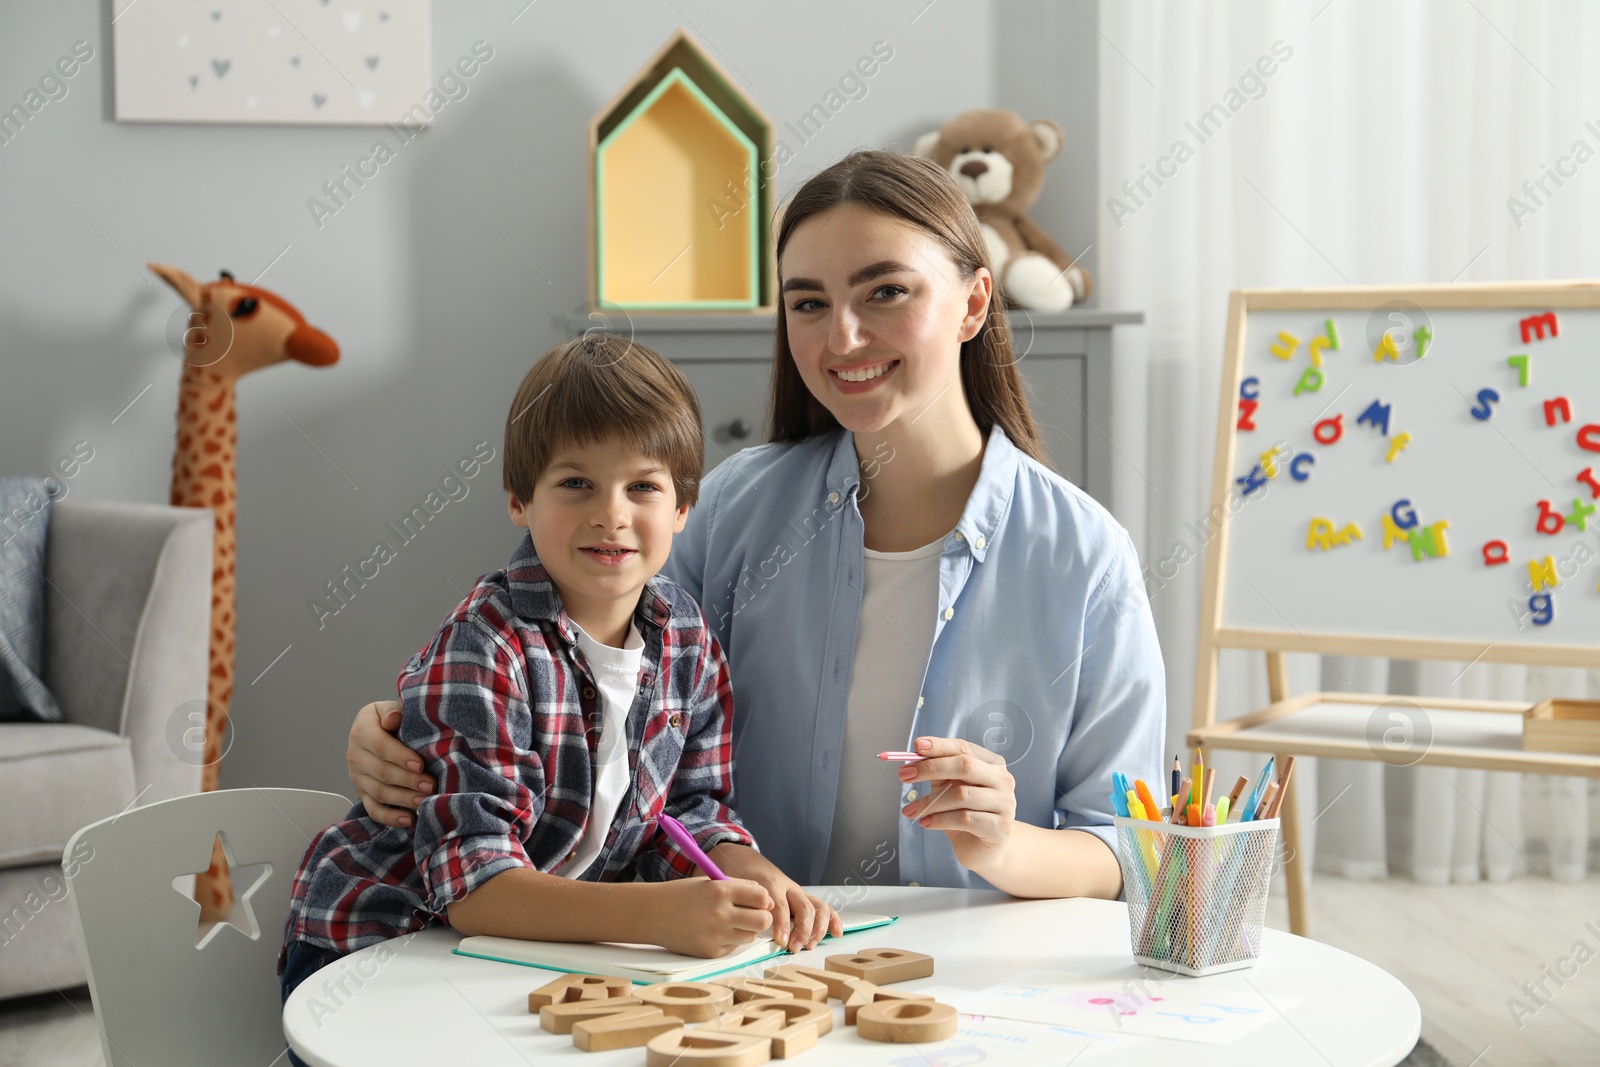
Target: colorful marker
pixel 1153 811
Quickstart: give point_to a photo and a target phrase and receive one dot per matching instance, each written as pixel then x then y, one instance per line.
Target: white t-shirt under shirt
pixel 616 673
pixel 899 606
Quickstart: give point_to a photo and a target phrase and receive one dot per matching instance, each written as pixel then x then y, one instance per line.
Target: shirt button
pixel 979 542
pixel 949 613
pixel 911 794
pixel 919 702
pixel 675 720
pixel 572 855
pixel 588 692
pixel 914 884
pixel 959 537
pixel 833 498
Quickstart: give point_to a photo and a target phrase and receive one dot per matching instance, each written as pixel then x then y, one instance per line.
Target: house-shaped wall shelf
pixel 680 199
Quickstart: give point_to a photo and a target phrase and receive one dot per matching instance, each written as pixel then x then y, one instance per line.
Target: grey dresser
pixel 1065 357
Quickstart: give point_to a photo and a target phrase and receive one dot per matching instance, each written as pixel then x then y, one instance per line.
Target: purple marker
pixel 684 840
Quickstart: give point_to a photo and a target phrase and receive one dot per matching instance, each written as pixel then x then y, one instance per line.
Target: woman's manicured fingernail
pixel 404 821
pixel 923 744
pixel 414 765
pixel 417 799
pixel 907 773
pixel 426 785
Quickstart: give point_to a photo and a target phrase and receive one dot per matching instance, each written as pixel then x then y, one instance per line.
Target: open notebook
pixel 644 964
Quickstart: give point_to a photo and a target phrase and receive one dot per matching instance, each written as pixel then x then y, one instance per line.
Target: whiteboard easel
pixel 1278 582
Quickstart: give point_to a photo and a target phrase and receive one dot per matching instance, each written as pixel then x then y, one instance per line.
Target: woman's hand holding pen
pixel 970 795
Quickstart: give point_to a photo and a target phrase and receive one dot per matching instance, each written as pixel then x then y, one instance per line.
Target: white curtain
pixel 1382 149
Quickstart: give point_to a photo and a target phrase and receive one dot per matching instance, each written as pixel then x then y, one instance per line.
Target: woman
pixel 899 565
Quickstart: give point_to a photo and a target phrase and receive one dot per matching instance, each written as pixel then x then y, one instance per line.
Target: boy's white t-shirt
pixel 616 672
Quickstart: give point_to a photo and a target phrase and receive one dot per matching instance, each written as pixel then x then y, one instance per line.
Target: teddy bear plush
pixel 998 160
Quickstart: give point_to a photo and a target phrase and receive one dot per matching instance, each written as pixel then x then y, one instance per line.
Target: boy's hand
pixel 702 917
pixel 799 921
pixel 385 772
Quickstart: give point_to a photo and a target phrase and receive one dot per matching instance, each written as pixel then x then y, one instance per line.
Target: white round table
pixel 421 1003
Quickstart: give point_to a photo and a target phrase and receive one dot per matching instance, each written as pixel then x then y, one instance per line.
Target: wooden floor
pixel 1464 950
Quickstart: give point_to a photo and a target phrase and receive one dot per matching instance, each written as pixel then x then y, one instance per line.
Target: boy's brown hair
pixel 594 388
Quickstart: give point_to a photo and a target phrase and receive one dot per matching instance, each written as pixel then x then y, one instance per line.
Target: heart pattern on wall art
pixel 341 61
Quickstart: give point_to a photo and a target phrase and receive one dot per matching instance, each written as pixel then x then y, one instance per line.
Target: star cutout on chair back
pixel 243 917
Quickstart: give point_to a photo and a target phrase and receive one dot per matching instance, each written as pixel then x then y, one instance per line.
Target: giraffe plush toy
pixel 233 329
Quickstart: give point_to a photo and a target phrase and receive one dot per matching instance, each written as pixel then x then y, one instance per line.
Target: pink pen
pixel 684 840
pixel 901 757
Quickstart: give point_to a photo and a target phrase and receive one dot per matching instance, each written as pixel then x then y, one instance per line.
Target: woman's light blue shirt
pixel 1044 648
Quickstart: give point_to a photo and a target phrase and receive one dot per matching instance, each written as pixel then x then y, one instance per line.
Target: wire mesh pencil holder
pixel 1197 896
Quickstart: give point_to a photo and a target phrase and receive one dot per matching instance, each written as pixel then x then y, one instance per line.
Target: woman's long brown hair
pixel 920 192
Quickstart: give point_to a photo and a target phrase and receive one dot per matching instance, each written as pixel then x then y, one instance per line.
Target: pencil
pixel 1238 791
pixel 1283 787
pixel 1265 807
pixel 1211 778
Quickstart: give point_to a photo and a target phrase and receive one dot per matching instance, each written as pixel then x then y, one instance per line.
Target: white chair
pixel 159 998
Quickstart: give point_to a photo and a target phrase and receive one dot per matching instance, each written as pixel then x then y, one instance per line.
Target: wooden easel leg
pixel 1294 870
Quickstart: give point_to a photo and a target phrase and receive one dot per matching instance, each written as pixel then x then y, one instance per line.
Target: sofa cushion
pixel 56 778
pixel 24 530
pixel 38 939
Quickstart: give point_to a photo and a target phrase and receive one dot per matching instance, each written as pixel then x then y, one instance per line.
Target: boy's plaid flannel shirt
pixel 505 715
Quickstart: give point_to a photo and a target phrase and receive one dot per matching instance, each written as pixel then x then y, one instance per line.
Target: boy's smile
pixel 609 553
pixel 602 519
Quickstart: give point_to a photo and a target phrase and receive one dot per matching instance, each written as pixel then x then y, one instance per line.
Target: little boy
pixel 564 706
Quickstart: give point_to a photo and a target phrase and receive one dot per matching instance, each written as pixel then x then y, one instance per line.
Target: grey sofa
pixel 126 647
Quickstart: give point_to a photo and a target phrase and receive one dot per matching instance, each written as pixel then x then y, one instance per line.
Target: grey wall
pixel 438 310
pixel 1047 67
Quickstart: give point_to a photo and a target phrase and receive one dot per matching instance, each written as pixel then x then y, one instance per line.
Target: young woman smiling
pixel 900 566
